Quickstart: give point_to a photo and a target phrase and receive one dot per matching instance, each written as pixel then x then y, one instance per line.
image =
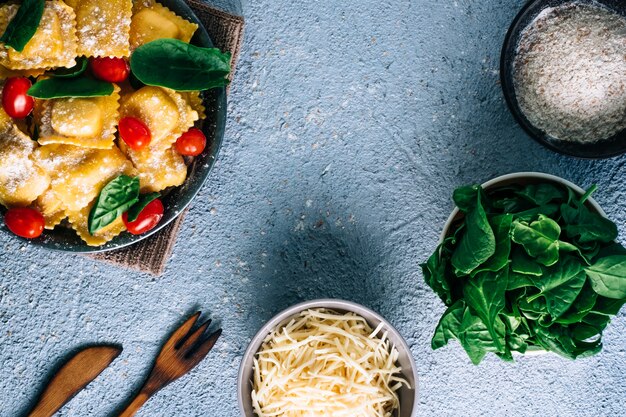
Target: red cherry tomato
pixel 149 217
pixel 25 222
pixel 113 70
pixel 134 132
pixel 15 100
pixel 191 143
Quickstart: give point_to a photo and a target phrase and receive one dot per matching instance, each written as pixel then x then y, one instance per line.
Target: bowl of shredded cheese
pixel 328 358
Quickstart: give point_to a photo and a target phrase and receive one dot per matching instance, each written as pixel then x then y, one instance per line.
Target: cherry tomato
pixel 149 217
pixel 191 143
pixel 134 132
pixel 25 222
pixel 15 100
pixel 113 70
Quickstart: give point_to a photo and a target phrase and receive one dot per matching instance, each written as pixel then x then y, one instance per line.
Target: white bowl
pixel 523 178
pixel 408 397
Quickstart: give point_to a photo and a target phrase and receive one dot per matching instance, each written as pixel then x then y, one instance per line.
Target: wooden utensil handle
pixel 135 405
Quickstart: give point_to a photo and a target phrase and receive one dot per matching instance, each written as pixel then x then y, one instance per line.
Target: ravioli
pixel 89 122
pixel 152 21
pixel 103 27
pixel 53 45
pixel 79 220
pixel 165 112
pixel 158 169
pixel 21 180
pixel 78 174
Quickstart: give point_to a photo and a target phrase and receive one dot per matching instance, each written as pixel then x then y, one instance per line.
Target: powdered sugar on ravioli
pixel 88 122
pixel 158 169
pixel 103 27
pixel 53 45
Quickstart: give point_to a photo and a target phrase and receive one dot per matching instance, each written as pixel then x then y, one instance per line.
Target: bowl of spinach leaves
pixel 527 262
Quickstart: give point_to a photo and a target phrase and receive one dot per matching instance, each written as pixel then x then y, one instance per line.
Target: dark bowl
pixel 607 148
pixel 177 199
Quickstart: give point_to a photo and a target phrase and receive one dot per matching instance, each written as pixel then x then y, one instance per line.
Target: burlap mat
pixel 151 254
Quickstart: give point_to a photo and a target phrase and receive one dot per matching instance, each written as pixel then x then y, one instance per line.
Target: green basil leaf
pixel 70 87
pixel 180 66
pixel 81 66
pixel 115 198
pixel 478 243
pixel 540 239
pixel 23 26
pixel 560 285
pixel 144 200
pixel 484 295
pixel 608 276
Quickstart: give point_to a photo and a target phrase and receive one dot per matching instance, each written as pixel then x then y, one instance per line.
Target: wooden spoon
pixel 180 354
pixel 79 371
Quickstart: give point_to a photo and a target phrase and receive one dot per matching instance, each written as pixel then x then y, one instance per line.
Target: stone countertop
pixel 350 125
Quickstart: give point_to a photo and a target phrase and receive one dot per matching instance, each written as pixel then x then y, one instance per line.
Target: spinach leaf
pixel 115 198
pixel 70 87
pixel 24 25
pixel 560 340
pixel 484 294
pixel 608 306
pixel 540 239
pixel 587 226
pixel 75 71
pixel 549 210
pixel 476 339
pixel 583 304
pixel 608 276
pixel 180 66
pixel 517 281
pixel 560 285
pixel 478 243
pixel 501 226
pixel 591 326
pixel 542 193
pixel 465 197
pixel 144 200
pixel 521 263
pixel 449 326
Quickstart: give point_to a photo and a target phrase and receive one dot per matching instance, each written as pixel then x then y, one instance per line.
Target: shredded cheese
pixel 323 363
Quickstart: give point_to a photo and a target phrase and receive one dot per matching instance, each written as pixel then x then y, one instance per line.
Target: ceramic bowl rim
pixel 245 369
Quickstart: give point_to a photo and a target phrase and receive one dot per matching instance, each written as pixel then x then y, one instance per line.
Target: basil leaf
pixel 23 26
pixel 608 276
pixel 175 64
pixel 478 243
pixel 540 239
pixel 70 87
pixel 81 66
pixel 144 200
pixel 115 198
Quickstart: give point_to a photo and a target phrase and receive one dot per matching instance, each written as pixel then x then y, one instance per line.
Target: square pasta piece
pixel 195 100
pixel 53 45
pixel 21 180
pixel 78 174
pixel 79 220
pixel 49 206
pixel 89 122
pixel 166 113
pixel 152 21
pixel 103 27
pixel 158 169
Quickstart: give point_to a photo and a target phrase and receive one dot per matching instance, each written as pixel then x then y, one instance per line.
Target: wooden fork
pixel 180 354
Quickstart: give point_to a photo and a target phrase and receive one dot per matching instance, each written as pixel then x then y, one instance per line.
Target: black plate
pixel 175 201
pixel 613 146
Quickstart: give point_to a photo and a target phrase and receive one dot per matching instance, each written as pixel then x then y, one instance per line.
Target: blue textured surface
pixel 350 125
